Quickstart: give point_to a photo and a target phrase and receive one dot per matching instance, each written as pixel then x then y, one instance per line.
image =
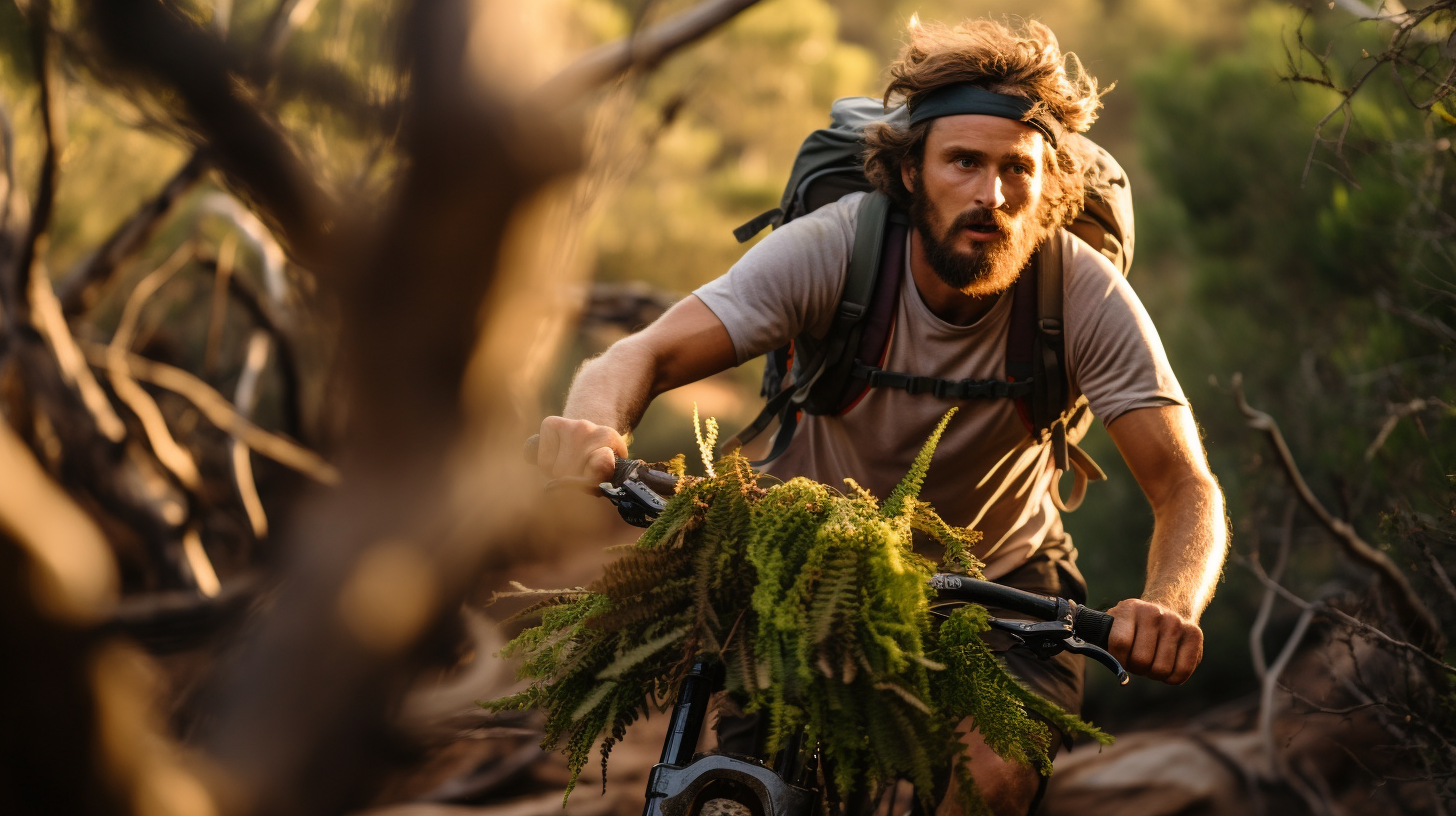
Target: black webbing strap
pixel 943 388
pixel 788 423
pixel 1049 398
pixel 859 288
pixel 1021 335
pixel 755 225
pixel 879 322
pixel 760 423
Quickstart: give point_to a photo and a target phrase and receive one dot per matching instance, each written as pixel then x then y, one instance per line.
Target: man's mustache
pixel 981 216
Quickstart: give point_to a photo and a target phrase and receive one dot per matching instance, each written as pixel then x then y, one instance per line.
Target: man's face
pixel 977 197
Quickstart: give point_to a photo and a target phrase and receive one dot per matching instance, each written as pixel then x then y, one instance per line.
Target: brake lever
pixel 1076 645
pixel 1048 638
pixel 636 503
pixel 1042 638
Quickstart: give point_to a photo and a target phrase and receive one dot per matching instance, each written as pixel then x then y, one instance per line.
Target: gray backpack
pixel 830 375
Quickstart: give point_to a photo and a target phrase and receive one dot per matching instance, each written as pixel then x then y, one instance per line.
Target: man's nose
pixel 989 193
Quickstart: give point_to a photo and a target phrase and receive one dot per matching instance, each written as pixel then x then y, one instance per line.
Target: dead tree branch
pixel 1424 623
pixel 1443 579
pixel 77 580
pixel 1266 604
pixel 172 455
pixel 386 561
pixel 1278 766
pixel 1355 623
pixel 221 413
pixel 33 248
pixel 45 311
pixel 259 345
pixel 79 287
pixel 222 275
pixel 251 149
pixel 1401 52
pixel 642 51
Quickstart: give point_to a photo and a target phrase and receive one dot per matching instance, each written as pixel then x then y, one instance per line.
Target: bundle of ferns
pixel 818 609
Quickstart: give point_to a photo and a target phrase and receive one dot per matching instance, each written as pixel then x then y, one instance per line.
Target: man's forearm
pixel 1190 540
pixel 615 388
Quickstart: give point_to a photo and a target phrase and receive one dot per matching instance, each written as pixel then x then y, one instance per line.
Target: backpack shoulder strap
pixel 813 358
pixel 1034 347
pixel 859 279
pixel 1049 397
pixel 1020 338
pixel 1053 407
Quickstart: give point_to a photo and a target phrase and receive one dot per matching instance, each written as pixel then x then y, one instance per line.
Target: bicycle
pixel 788 784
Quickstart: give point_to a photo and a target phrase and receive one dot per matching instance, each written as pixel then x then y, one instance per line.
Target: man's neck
pixel 945 302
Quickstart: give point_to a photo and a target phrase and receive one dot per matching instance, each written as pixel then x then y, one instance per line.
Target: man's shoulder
pixel 1080 260
pixel 833 222
pixel 787 284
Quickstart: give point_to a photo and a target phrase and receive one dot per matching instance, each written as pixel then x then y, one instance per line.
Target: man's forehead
pixel 984 134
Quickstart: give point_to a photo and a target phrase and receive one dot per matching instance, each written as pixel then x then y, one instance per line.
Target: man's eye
pixel 965 164
pixel 1020 169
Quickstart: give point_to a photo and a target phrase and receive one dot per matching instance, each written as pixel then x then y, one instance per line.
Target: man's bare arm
pixel 1158 635
pixel 611 392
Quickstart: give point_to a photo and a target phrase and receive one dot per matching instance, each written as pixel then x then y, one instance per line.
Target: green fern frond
pixel 909 487
pixel 818 608
pixel 631 658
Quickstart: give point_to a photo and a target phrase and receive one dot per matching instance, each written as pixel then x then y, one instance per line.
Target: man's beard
pixel 991 266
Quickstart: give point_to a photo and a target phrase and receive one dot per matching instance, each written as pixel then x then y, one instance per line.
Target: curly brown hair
pixel 1023 61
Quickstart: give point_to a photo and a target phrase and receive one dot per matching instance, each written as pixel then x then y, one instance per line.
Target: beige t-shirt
pixel 988 472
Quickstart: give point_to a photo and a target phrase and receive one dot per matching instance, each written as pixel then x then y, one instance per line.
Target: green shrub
pixel 818 609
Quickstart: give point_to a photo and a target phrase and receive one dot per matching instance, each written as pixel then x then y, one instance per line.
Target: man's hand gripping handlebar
pixel 639 492
pixel 636 490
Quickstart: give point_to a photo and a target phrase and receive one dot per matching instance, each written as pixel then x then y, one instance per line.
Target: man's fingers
pixel 1190 654
pixel 1170 631
pixel 601 464
pixel 1119 640
pixel 550 443
pixel 1152 640
pixel 1145 640
pixel 577 447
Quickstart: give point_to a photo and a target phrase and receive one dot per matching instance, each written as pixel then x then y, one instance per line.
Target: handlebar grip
pixel 1092 626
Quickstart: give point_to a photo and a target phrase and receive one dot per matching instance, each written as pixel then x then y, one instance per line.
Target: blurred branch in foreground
pixel 367 572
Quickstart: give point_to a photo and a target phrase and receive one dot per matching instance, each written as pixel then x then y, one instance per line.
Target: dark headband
pixel 963 97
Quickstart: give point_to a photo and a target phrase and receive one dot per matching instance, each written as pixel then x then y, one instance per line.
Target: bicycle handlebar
pixel 1090 624
pixel 638 490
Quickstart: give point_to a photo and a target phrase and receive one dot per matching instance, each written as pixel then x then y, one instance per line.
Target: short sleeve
pixel 1114 354
pixel 789 283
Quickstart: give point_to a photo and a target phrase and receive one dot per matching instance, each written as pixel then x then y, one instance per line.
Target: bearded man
pixel 988 170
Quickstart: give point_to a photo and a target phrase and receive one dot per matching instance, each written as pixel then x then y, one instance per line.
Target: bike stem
pixel 688 714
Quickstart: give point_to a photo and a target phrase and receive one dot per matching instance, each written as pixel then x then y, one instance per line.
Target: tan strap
pixel 1083 461
pixel 1084 470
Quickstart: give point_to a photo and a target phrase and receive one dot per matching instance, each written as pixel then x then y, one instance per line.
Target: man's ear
pixel 907 175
